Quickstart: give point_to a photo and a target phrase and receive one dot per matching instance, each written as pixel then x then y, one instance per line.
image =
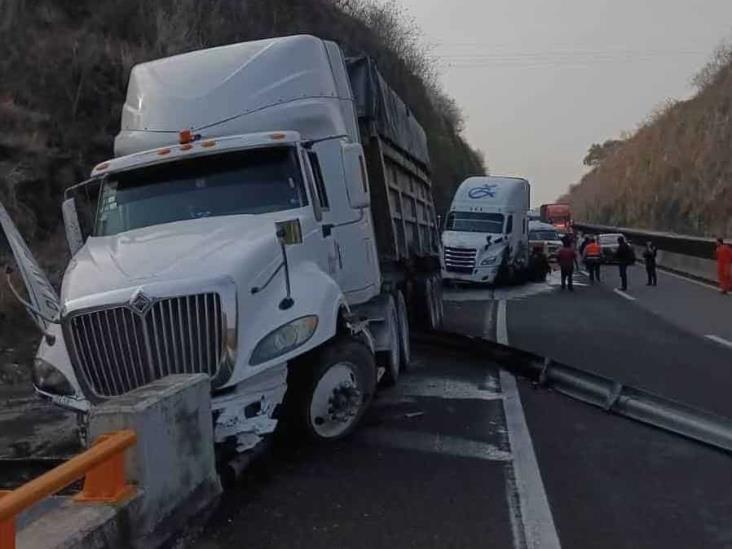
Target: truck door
pixel 41 295
pixel 327 254
pixel 358 274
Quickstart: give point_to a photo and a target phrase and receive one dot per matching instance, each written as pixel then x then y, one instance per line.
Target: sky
pixel 539 81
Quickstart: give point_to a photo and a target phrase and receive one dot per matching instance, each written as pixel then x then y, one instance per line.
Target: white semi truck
pixel 485 238
pixel 267 220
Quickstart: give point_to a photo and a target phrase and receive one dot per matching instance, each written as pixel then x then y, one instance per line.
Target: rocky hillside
pixel 675 172
pixel 64 69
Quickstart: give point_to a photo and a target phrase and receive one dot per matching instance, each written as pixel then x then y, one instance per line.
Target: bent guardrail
pixel 597 390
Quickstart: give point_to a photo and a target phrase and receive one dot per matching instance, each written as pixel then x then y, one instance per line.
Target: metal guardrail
pixel 694 246
pixel 597 390
pixel 103 469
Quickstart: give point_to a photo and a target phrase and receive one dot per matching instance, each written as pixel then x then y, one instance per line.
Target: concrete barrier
pixel 687 255
pixel 172 464
pixel 696 267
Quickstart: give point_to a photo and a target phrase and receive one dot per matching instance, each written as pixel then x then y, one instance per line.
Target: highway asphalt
pixel 431 467
pixel 611 482
pixel 443 459
pixel 462 454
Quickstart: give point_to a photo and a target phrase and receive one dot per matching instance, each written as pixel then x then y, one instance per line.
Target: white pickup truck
pixel 267 220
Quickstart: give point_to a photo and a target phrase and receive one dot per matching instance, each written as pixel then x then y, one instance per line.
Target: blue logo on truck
pixel 487 190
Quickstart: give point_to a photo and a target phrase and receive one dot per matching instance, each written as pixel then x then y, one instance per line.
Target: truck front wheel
pixel 339 390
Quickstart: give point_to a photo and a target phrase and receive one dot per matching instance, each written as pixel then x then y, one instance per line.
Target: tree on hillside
pixel 598 152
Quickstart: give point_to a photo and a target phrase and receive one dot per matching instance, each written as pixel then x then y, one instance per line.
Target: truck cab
pixel 233 235
pixel 485 237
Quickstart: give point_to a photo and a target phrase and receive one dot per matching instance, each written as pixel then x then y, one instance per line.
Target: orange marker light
pixel 185 136
pixel 208 144
pixel 186 147
pixel 101 167
pixel 163 152
pixel 277 136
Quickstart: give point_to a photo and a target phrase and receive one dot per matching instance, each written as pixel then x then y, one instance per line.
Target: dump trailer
pixel 267 220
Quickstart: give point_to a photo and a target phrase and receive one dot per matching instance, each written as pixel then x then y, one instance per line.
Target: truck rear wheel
pixel 339 390
pixel 392 356
pixel 404 342
pixel 434 301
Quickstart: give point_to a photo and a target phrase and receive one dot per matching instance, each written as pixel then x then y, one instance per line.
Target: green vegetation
pixel 675 172
pixel 64 69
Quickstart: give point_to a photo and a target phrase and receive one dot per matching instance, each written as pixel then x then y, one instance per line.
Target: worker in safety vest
pixel 592 255
pixel 723 254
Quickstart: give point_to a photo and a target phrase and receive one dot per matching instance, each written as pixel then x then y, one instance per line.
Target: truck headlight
pixel 489 261
pixel 49 379
pixel 284 339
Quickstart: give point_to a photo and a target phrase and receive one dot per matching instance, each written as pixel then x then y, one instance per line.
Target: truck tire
pixel 434 301
pixel 404 342
pixel 392 358
pixel 336 393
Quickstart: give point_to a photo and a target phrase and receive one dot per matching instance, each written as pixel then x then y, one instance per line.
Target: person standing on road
pixel 538 265
pixel 625 257
pixel 566 258
pixel 723 254
pixel 649 258
pixel 585 241
pixel 593 258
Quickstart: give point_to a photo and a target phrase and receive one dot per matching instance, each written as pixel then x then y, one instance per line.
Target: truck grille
pixel 460 260
pixel 123 347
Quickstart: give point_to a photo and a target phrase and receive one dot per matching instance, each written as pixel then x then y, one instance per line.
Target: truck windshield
pixel 250 182
pixel 543 235
pixel 475 222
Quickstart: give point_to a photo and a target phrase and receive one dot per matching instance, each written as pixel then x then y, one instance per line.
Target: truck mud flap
pixel 610 395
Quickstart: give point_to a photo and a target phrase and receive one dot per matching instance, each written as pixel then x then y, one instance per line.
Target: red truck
pixel 558 215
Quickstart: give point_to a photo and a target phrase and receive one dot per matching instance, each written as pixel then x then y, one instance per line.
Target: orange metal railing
pixel 103 469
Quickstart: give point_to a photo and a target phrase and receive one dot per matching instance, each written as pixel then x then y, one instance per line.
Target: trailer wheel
pixel 392 357
pixel 434 302
pixel 404 343
pixel 439 305
pixel 339 392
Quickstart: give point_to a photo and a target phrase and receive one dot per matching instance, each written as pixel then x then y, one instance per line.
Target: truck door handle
pixel 327 229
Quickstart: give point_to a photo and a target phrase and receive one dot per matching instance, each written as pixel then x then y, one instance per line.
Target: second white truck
pixel 485 237
pixel 267 220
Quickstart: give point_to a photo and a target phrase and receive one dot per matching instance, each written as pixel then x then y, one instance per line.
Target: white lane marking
pixel 434 443
pixel 621 293
pixel 488 322
pixel 719 340
pixel 514 510
pixel 538 522
pixel 687 279
pixel 501 323
pixel 442 387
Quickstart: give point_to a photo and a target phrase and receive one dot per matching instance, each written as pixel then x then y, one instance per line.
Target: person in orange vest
pixel 724 265
pixel 592 255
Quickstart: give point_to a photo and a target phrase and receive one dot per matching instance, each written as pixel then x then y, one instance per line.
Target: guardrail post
pixel 107 482
pixel 7 529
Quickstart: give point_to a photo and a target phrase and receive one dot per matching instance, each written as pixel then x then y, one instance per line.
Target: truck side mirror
pixel 71 224
pixel 289 232
pixel 357 183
